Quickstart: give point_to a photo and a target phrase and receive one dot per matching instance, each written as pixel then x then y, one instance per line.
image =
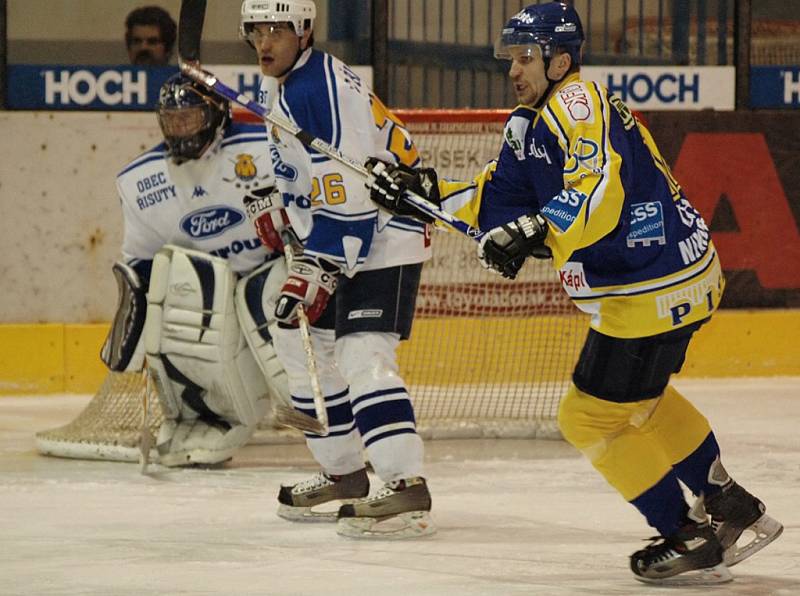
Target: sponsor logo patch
pixel 375 313
pixel 281 168
pixel 573 279
pixel 514 135
pixel 647 225
pixel 576 102
pixel 211 222
pixel 562 209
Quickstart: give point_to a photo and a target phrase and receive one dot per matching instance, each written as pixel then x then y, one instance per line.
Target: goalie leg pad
pixel 256 295
pixel 200 362
pixel 123 350
pixel 381 404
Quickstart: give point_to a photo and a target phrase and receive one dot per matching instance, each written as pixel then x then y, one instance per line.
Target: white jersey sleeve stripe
pixel 333 99
pixel 143 159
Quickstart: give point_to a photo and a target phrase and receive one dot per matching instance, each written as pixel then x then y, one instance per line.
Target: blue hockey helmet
pixel 549 27
pixel 190 117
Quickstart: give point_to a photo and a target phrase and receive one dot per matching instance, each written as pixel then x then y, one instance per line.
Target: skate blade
pixel 323 513
pixel 719 574
pixel 761 533
pixel 412 524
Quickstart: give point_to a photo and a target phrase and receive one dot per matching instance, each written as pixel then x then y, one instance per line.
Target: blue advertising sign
pixel 75 87
pixel 668 87
pixel 775 87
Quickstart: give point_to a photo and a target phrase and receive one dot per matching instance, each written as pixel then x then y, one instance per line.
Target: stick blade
pixel 190 29
pixel 290 417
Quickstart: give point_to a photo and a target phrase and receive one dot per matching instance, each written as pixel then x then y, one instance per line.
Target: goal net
pixel 488 357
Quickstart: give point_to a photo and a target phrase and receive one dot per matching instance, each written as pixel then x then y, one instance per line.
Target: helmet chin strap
pixel 291 66
pixel 550 84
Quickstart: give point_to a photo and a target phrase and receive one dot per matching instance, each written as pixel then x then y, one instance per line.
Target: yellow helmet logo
pixel 245 168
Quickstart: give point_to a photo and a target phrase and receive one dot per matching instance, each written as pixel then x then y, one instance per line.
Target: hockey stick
pixel 146 438
pixel 190 28
pixel 311 359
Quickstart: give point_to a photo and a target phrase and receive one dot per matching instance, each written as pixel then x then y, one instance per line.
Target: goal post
pixel 487 357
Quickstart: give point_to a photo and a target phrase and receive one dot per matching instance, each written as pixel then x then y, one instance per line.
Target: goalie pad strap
pixel 192 396
pixel 123 349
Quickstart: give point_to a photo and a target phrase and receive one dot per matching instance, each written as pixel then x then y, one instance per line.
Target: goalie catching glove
pixel 505 248
pixel 388 183
pixel 266 212
pixel 311 282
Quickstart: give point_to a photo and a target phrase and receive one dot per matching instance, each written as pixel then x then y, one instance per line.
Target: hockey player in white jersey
pixel 367 264
pixel 196 285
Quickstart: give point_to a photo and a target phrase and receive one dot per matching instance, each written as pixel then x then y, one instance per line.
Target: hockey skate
pixel 734 513
pixel 319 497
pixel 401 509
pixel 691 556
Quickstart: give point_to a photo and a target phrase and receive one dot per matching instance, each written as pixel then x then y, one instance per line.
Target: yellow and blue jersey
pixel 629 247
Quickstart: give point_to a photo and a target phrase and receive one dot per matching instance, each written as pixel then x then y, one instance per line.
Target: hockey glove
pixel 311 282
pixel 388 183
pixel 265 211
pixel 505 248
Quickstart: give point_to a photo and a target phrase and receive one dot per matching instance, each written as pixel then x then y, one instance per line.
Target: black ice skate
pixel 401 509
pixel 691 556
pixel 305 501
pixel 735 512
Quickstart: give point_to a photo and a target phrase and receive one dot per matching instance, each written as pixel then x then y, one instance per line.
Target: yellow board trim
pixel 56 358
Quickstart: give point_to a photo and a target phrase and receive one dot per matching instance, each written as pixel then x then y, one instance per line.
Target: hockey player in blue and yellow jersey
pixel 580 180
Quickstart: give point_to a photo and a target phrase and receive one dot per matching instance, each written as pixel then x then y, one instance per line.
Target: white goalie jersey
pixel 199 203
pixel 328 204
pixel 207 330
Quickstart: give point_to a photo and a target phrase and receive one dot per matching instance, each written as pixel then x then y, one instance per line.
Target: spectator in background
pixel 150 34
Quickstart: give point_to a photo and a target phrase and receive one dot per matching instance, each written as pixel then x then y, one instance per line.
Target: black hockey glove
pixel 388 182
pixel 505 248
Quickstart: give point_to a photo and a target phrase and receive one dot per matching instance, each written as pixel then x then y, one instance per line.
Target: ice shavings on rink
pixel 514 516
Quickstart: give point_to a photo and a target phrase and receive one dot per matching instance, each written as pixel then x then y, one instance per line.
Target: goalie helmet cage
pixel 487 357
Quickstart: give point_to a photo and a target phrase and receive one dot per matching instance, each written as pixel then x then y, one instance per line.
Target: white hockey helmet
pixel 300 13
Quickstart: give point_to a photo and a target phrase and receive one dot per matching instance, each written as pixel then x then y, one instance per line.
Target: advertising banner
pixel 775 87
pixel 669 87
pixel 740 171
pixel 111 88
pixel 74 87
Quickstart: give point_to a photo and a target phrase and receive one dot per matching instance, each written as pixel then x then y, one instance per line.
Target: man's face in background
pixel 145 47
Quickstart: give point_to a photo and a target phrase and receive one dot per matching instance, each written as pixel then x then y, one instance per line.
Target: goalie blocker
pixel 209 353
pixel 123 350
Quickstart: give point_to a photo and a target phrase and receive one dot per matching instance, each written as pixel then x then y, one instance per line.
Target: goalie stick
pixel 190 30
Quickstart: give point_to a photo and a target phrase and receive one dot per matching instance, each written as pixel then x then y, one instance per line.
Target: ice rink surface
pixel 514 516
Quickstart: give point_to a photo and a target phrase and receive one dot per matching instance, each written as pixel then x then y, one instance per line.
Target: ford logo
pixel 211 222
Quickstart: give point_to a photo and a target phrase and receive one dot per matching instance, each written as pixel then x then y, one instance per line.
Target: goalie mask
pixel 190 117
pixel 542 29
